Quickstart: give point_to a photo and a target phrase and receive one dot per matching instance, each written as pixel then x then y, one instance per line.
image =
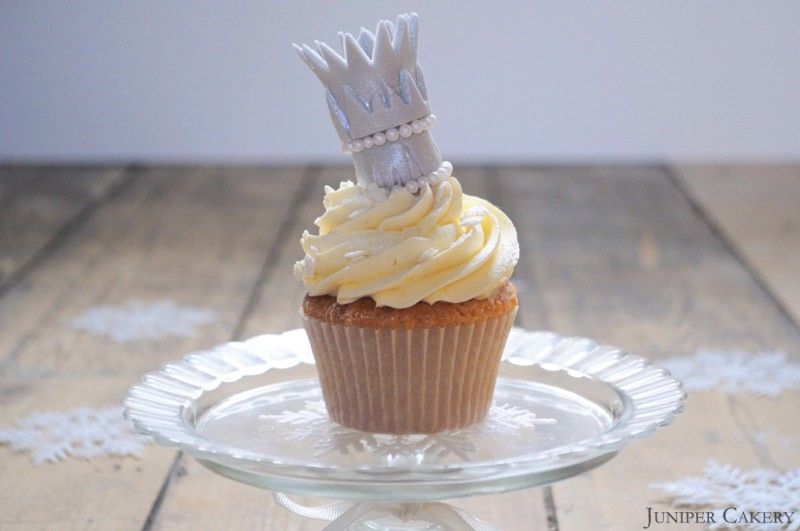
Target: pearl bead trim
pixel 415 127
pixel 433 178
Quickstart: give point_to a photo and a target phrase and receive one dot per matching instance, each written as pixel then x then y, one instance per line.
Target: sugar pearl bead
pixel 392 135
pixel 405 131
pixel 431 120
pixel 417 127
pixel 368 143
pixel 412 187
pixel 358 146
pixel 379 139
pixel 347 147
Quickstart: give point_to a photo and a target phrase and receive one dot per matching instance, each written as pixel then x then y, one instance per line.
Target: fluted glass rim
pixel 158 405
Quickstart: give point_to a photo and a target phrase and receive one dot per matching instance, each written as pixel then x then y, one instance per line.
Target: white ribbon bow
pixel 343 514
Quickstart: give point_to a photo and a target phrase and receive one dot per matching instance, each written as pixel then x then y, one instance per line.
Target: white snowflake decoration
pixel 506 420
pixel 441 445
pixel 343 440
pixel 309 422
pixel 313 422
pixel 83 433
pixel 723 486
pixel 764 374
pixel 141 320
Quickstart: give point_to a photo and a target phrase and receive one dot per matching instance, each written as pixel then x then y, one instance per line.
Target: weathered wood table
pixel 660 261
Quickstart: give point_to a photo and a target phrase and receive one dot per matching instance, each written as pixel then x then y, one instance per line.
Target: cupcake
pixel 409 302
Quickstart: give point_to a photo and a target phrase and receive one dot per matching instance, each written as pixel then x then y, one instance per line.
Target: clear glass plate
pixel 565 406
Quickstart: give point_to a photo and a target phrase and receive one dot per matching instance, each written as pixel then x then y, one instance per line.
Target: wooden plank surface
pixel 275 306
pixel 198 237
pixel 101 494
pixel 756 208
pixel 621 256
pixel 40 206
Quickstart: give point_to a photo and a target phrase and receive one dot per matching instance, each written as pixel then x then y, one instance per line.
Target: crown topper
pixel 376 91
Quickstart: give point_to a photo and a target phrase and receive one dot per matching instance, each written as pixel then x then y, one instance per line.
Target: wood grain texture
pixel 197 499
pixel 621 256
pixel 279 295
pixel 618 254
pixel 198 237
pixel 757 209
pixel 40 206
pixel 101 494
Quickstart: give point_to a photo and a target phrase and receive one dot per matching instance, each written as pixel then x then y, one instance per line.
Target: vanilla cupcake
pixel 409 304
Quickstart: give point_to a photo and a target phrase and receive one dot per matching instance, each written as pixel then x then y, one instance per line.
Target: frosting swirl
pixel 401 248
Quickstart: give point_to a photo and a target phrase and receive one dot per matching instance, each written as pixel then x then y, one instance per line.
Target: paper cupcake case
pixel 422 380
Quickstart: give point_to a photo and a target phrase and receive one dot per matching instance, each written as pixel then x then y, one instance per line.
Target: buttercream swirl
pixel 401 248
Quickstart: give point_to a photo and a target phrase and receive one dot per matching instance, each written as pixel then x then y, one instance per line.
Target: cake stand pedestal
pixel 569 406
pixel 401 516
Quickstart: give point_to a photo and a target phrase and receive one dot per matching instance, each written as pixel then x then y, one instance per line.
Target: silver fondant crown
pixel 376 86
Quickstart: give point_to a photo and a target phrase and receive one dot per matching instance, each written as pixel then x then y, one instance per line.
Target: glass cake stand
pixel 242 409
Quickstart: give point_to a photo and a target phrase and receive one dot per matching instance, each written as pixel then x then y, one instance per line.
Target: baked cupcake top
pixel 405 232
pixel 363 313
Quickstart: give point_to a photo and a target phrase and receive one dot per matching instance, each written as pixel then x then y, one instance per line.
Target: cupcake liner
pixel 422 380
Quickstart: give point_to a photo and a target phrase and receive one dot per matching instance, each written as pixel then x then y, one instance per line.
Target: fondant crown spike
pixel 378 101
pixel 354 56
pixel 366 39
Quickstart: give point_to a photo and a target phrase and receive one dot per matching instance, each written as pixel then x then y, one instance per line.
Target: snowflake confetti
pixel 140 320
pixel 83 433
pixel 724 487
pixel 764 374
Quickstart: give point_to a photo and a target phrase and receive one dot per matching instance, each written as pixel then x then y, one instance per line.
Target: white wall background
pixel 537 81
